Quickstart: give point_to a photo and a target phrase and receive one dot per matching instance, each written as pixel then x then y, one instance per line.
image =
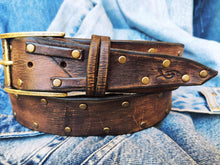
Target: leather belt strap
pixel 82 87
pixel 65 65
pixel 82 116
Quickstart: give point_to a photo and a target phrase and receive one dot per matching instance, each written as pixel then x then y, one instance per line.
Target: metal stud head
pixel 179 53
pixel 185 78
pixel 35 125
pixel 125 104
pixel 67 130
pixel 83 106
pixel 14 114
pixel 30 48
pixel 76 54
pixel 16 96
pixel 19 82
pixel 57 82
pixel 151 50
pixel 203 73
pixel 106 130
pixel 143 124
pixel 122 59
pixel 166 63
pixel 44 101
pixel 145 80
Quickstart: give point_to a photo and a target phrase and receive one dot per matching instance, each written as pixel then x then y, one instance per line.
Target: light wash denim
pixel 188 135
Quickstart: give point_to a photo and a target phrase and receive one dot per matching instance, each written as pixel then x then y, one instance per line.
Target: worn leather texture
pixel 126 85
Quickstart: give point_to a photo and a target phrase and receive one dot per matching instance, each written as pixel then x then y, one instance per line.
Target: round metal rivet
pixel 14 114
pixel 145 80
pixel 125 104
pixel 44 101
pixel 67 130
pixel 83 106
pixel 179 53
pixel 57 82
pixel 106 130
pixel 30 48
pixel 185 77
pixel 35 125
pixel 166 63
pixel 203 73
pixel 76 54
pixel 122 59
pixel 152 50
pixel 16 96
pixel 143 124
pixel 10 47
pixel 167 110
pixel 19 82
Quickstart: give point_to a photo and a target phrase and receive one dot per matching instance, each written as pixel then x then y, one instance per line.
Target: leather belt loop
pixel 103 66
pixel 92 65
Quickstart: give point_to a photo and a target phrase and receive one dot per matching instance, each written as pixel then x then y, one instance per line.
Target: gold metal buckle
pixel 32 34
pixel 35 93
pixel 6 62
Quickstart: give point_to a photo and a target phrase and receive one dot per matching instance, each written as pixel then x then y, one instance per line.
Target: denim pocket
pixel 197 99
pixel 212 95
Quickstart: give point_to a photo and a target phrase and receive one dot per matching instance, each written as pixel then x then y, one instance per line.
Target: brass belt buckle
pixel 7 63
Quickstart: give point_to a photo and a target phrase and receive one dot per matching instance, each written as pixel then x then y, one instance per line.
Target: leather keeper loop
pixel 103 66
pixel 92 65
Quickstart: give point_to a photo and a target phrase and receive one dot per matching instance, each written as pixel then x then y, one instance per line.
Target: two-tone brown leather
pixel 101 116
pixel 38 69
pixel 126 85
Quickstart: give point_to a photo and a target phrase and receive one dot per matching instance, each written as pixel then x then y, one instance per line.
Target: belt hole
pixel 30 64
pixel 63 64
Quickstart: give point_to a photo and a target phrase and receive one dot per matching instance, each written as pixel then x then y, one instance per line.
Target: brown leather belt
pixel 81 87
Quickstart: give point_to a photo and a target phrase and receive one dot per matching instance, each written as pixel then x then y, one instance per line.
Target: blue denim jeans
pixel 188 135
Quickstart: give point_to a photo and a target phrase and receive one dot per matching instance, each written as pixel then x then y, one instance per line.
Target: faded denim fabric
pixel 181 138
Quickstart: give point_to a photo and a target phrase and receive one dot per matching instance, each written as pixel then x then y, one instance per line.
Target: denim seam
pixel 105 146
pixel 2 115
pixel 39 149
pixel 11 133
pixel 55 148
pixel 167 136
pixel 193 111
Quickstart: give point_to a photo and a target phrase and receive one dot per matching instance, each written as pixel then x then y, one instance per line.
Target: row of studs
pixel 166 63
pixel 31 48
pixel 84 106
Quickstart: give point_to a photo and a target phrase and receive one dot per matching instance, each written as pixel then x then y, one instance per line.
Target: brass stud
pixel 125 104
pixel 179 53
pixel 19 82
pixel 151 50
pixel 122 59
pixel 143 124
pixel 167 110
pixel 67 130
pixel 76 54
pixel 16 96
pixel 83 106
pixel 30 48
pixel 10 47
pixel 185 77
pixel 166 63
pixel 14 114
pixel 35 125
pixel 106 130
pixel 145 80
pixel 44 101
pixel 57 82
pixel 203 73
